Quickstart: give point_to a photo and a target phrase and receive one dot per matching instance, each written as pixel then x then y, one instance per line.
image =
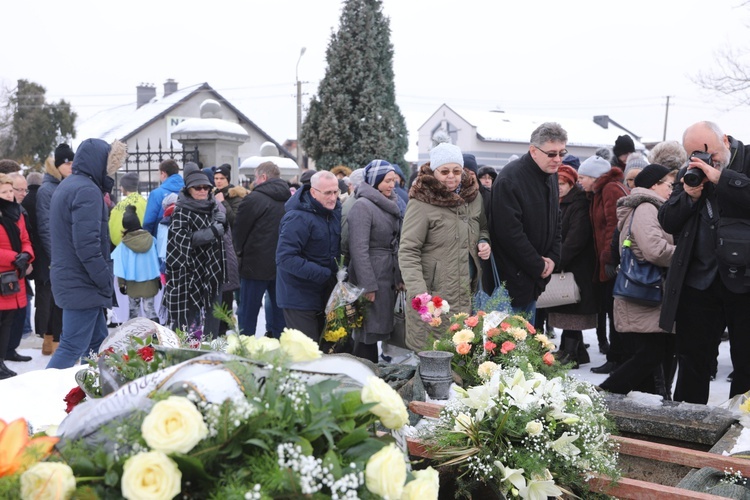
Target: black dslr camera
pixel 694 176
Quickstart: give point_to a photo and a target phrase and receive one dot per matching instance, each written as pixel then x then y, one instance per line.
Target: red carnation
pixel 416 303
pixel 146 353
pixel 437 302
pixel 75 396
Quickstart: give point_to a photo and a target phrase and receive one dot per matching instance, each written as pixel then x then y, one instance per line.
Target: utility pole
pixel 300 152
pixel 666 117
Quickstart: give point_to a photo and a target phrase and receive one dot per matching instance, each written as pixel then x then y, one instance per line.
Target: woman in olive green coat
pixel 443 237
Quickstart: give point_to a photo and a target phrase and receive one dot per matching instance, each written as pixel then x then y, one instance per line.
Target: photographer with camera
pixel 708 283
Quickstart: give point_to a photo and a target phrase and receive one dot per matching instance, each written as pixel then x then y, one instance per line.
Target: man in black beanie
pixel 624 145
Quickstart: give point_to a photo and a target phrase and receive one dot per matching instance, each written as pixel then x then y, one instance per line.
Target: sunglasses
pixel 552 154
pixel 202 188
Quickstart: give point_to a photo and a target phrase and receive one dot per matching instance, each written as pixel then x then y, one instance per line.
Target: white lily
pixel 512 476
pixel 564 445
pixel 540 490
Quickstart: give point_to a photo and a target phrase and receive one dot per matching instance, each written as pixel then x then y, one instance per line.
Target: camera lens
pixel 693 177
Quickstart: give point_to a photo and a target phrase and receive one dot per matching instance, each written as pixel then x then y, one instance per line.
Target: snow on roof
pixel 192 125
pixel 122 121
pixel 511 127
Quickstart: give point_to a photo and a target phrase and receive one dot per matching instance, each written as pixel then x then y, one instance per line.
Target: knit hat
pixel 445 153
pixel 623 145
pixel 594 166
pixel 358 177
pixel 572 161
pixel 190 167
pixel 306 176
pixel 635 160
pixel 196 178
pixel 470 162
pixel 568 174
pixel 650 175
pixel 485 170
pixel 376 170
pixel 63 154
pixel 130 221
pixel 225 170
pixel 129 182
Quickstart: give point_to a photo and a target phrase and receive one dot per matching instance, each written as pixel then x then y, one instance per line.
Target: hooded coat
pixel 308 248
pixel 136 264
pixel 439 239
pixel 256 230
pixel 115 215
pixel 374 228
pixel 81 272
pixel 607 190
pixel 649 242
pixel 154 211
pixel 51 180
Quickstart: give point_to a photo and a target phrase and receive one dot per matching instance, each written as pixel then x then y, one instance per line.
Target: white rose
pixel 385 472
pixel 299 346
pixel 174 424
pixel 463 423
pixel 487 369
pixel 425 486
pixel 390 408
pixel 462 336
pixel 152 475
pixel 237 344
pixel 534 427
pixel 258 345
pixel 48 480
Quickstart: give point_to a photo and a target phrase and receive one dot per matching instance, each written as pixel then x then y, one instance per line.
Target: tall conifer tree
pixel 354 118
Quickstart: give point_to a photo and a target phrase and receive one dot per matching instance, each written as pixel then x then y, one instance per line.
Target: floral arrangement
pixel 345 310
pixel 286 437
pixel 525 435
pixel 19 453
pixel 484 342
pixel 430 308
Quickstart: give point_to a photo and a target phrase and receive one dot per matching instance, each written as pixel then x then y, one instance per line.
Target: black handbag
pixel 637 281
pixel 9 283
pixel 398 337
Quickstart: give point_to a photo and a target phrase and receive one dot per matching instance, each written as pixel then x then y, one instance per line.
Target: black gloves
pixel 22 263
pixel 207 235
pixel 610 271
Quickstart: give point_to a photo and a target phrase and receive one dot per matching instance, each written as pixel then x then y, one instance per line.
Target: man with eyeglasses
pixel 309 245
pixel 708 282
pixel 524 218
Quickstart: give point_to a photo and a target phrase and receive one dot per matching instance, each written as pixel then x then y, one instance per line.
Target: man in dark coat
pixel 256 234
pixel 525 218
pixel 81 272
pixel 309 245
pixel 708 283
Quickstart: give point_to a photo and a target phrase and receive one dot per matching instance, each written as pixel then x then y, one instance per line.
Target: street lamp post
pixel 300 152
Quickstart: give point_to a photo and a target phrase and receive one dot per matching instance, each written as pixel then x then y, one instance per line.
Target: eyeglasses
pixel 670 184
pixel 447 171
pixel 552 154
pixel 328 193
pixel 202 188
pixel 19 190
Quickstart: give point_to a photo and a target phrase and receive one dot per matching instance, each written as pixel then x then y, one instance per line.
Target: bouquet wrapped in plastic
pixel 344 309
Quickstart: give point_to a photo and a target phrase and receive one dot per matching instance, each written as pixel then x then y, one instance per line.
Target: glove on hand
pixel 610 271
pixel 22 263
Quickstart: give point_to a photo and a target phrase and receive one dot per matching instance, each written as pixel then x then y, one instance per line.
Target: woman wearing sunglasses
pixel 195 253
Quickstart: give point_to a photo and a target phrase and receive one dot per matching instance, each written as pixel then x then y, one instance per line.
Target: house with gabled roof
pixel 494 136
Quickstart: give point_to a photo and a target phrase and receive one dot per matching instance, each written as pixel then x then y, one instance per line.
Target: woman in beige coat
pixel 650 368
pixel 443 237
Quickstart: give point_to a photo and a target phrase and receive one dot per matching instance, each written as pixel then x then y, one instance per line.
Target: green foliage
pixel 354 118
pixel 10 487
pixel 34 126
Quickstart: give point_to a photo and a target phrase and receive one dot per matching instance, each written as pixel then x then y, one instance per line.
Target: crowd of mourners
pixel 199 241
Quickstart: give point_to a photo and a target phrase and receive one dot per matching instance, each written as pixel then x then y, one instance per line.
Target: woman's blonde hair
pixel 5 179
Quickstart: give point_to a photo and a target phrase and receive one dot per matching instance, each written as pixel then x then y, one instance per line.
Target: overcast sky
pixel 576 58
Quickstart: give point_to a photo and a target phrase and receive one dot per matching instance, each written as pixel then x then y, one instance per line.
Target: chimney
pixel 602 120
pixel 170 87
pixel 144 93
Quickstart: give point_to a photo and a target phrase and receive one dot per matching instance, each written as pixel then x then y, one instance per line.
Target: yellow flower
pixel 258 345
pixel 299 346
pixel 463 336
pixel 152 475
pixel 48 481
pixel 335 335
pixel 174 424
pixel 238 344
pixel 425 486
pixel 390 408
pixel 17 450
pixel 745 406
pixel 518 333
pixel 385 472
pixel 486 369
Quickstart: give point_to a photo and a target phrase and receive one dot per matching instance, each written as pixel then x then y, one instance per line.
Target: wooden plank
pixel 425 409
pixel 643 490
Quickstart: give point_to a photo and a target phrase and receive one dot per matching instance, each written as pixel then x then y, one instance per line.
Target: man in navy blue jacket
pixel 309 245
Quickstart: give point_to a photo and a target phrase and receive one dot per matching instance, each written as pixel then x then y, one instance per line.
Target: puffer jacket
pixel 648 242
pixel 81 270
pixel 439 238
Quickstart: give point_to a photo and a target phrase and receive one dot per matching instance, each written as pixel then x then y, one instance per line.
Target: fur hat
pixel 470 162
pixel 197 178
pixel 485 170
pixel 594 166
pixel 129 182
pixel 63 154
pixel 376 170
pixel 623 145
pixel 650 175
pixel 306 176
pixel 341 169
pixel 572 161
pixel 568 174
pixel 445 153
pixel 130 221
pixel 225 170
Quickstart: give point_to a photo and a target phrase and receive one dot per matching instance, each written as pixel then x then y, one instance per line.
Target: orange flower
pixel 507 347
pixel 463 348
pixel 481 314
pixel 548 358
pixel 489 346
pixel 471 321
pixel 530 328
pixel 17 450
pixel 504 326
pixel 436 321
pixel 492 332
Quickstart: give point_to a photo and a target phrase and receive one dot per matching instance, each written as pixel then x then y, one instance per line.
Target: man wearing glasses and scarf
pixel 524 218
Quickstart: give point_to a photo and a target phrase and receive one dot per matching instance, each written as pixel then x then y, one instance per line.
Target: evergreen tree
pixel 354 118
pixel 33 127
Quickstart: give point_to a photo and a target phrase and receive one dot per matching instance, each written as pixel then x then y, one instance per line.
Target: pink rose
pixel 507 347
pixel 455 327
pixel 493 332
pixel 548 358
pixel 463 348
pixel 471 321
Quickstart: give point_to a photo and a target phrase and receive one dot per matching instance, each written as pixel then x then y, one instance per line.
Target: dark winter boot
pixel 5 372
pixel 570 353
